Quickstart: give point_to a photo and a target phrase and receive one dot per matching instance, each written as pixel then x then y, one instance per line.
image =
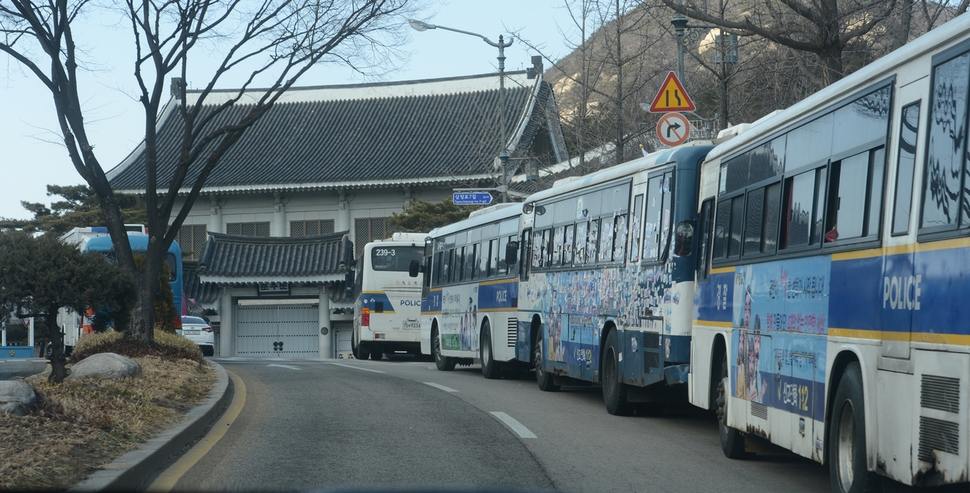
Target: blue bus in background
pixel 139 244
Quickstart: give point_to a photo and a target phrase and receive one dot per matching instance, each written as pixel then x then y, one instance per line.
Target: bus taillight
pixel 365 317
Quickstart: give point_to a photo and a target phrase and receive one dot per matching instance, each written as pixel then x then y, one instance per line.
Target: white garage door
pixel 278 330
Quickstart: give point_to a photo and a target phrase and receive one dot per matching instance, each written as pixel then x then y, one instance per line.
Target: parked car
pixel 200 332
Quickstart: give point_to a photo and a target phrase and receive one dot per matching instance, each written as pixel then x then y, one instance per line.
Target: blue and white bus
pixel 139 244
pixel 471 287
pixel 832 315
pixel 607 289
pixel 387 303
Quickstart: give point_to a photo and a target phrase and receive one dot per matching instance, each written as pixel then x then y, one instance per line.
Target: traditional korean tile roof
pixel 371 135
pixel 234 259
pixel 205 293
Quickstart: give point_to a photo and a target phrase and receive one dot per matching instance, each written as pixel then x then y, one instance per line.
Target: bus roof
pixel 405 237
pixel 651 160
pixel 840 90
pixel 138 242
pixel 494 213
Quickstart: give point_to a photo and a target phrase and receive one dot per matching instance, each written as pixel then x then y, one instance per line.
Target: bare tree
pixel 821 27
pixel 605 76
pixel 271 42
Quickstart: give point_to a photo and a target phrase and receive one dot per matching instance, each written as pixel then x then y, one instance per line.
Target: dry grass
pixel 80 426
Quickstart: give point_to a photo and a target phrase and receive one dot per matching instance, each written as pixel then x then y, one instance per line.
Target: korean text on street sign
pixel 672 97
pixel 471 198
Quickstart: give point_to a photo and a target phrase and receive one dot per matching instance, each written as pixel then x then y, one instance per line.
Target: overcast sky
pixel 29 139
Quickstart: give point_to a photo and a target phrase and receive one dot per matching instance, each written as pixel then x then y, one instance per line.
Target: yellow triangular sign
pixel 672 97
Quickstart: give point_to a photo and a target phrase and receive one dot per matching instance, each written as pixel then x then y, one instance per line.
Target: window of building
pixel 369 229
pixel 191 240
pixel 248 229
pixel 311 227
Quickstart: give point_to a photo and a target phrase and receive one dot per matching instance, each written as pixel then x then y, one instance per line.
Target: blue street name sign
pixel 472 198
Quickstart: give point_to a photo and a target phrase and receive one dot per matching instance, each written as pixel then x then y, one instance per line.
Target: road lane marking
pixel 356 367
pixel 517 427
pixel 440 387
pixel 167 479
pixel 286 366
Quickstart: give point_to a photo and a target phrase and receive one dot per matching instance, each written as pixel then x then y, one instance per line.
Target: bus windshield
pixel 395 258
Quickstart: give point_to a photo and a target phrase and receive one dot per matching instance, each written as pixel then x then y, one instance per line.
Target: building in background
pixel 339 161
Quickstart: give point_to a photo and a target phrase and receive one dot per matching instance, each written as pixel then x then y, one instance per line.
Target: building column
pixel 278 226
pixel 215 215
pixel 226 333
pixel 343 212
pixel 326 333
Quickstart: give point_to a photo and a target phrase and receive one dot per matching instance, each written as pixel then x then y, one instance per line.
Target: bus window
pixel 470 252
pixel 567 245
pixel 606 239
pixel 619 237
pixel 906 164
pixel 557 245
pixel 635 229
pixel 802 215
pixel 734 234
pixel 503 266
pixel 846 207
pixel 706 229
pixel 524 250
pixel 394 258
pixel 591 240
pixel 482 260
pixel 459 263
pixel 581 229
pixel 439 268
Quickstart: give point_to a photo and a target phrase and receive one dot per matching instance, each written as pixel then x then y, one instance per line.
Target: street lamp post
pixel 503 154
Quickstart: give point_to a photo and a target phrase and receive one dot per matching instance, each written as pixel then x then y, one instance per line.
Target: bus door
pixel 903 271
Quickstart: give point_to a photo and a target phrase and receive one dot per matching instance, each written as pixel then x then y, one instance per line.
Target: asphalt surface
pixel 21 367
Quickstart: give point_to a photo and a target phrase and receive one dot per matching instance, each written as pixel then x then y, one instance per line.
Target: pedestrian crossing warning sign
pixel 672 97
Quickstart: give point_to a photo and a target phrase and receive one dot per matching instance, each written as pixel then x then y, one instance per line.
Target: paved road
pixel 313 424
pixel 21 367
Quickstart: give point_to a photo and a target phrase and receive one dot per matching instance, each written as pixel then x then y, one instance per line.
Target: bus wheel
pixel 377 355
pixel 614 391
pixel 544 379
pixel 732 441
pixel 359 353
pixel 847 437
pixel 443 363
pixel 491 369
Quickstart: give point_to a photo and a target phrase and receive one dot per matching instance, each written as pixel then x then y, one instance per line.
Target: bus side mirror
pixel 414 268
pixel 684 239
pixel 511 252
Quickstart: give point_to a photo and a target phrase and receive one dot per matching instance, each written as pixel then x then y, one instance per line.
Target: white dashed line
pixel 357 368
pixel 517 427
pixel 440 387
pixel 286 366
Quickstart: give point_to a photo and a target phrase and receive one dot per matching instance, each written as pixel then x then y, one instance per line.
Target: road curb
pixel 135 470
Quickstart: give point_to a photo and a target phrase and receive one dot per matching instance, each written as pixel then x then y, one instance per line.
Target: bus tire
pixel 547 382
pixel 614 390
pixel 848 472
pixel 443 363
pixel 732 441
pixel 377 355
pixel 359 353
pixel 491 369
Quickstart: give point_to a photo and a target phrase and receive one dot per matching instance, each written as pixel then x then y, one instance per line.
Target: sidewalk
pixel 135 470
